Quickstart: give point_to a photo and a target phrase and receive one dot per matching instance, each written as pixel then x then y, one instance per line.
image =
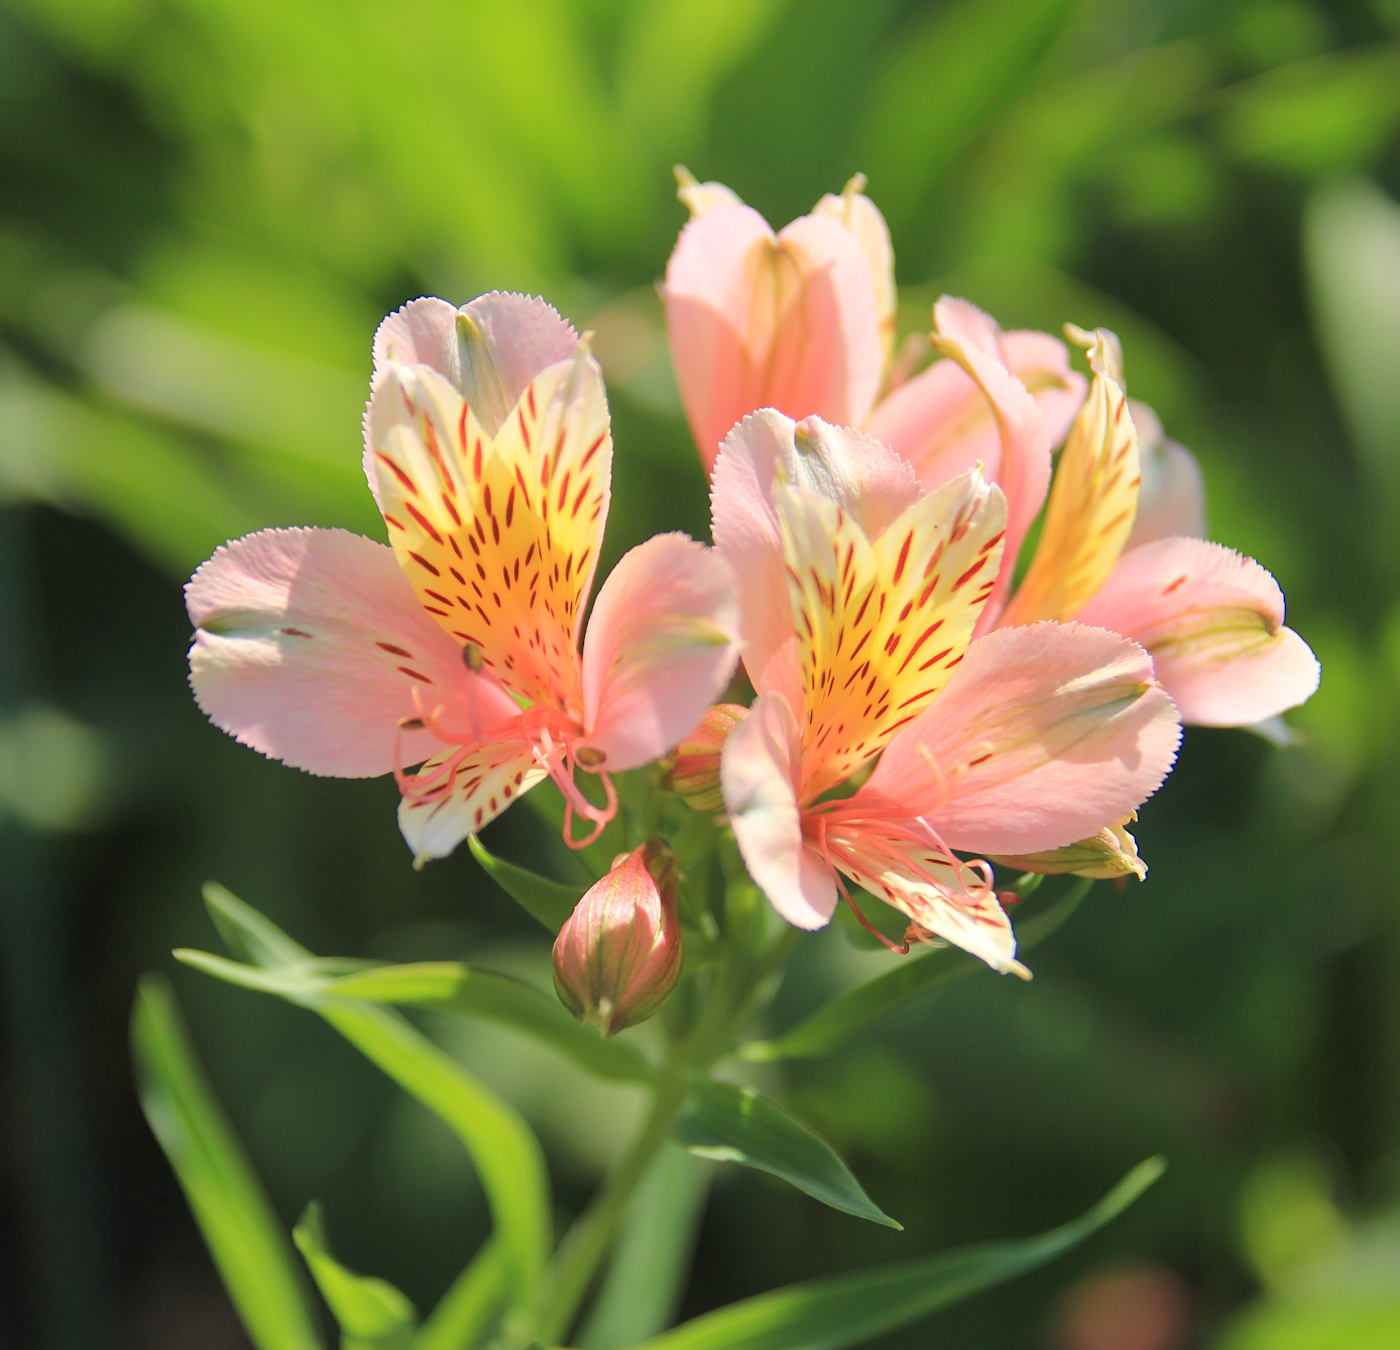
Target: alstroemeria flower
pixel 804 321
pixel 488 449
pixel 1211 618
pixel 860 595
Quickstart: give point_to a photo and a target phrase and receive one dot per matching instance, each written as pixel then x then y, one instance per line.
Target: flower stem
pixel 587 1242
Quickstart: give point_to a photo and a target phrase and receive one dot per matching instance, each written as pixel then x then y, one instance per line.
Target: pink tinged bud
pixel 695 768
pixel 618 957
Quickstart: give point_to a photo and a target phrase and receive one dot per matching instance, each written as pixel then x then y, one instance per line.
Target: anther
pixel 590 756
pixel 472 658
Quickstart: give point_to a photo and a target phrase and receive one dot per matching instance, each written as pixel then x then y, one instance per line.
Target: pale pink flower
pixel 488 449
pixel 1211 618
pixel 860 595
pixel 804 321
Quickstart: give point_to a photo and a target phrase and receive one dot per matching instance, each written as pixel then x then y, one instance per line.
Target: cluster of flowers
pixel 867 524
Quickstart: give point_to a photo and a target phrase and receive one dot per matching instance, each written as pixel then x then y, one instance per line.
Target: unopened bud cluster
pixel 695 769
pixel 618 957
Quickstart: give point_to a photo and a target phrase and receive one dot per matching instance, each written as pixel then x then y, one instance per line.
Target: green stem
pixel 587 1242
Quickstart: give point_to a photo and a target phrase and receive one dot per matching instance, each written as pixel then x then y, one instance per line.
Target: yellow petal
pixel 881 626
pixel 1093 500
pixel 499 536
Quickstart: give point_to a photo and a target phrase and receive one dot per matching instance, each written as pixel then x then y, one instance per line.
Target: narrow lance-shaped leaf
pixel 733 1124
pixel 853 1012
pixel 647 1275
pixel 853 1309
pixel 506 1154
pixel 373 1315
pixel 442 986
pixel 551 902
pixel 243 1234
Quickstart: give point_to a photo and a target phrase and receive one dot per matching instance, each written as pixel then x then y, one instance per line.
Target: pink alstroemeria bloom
pixel 488 449
pixel 804 321
pixel 860 595
pixel 1211 618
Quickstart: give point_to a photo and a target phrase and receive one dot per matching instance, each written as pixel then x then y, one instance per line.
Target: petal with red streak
pixel 1213 621
pixel 1043 736
pixel 309 646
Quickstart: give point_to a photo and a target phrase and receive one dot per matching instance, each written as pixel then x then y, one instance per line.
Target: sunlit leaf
pixel 243 1234
pixel 647 1275
pixel 1329 113
pixel 371 1312
pixel 442 986
pixel 853 1012
pixel 505 1152
pixel 941 83
pixel 733 1124
pixel 853 1309
pixel 551 902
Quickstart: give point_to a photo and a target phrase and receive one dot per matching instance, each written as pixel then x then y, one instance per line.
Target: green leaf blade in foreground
pixel 447 987
pixel 369 1310
pixel 845 1017
pixel 732 1124
pixel 834 1313
pixel 239 1226
pixel 503 1149
pixel 551 902
pixel 647 1275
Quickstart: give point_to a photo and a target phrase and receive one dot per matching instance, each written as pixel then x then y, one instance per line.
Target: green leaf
pixel 850 1014
pixel 466 1309
pixel 371 1312
pixel 733 1124
pixel 852 1309
pixel 505 1152
pixel 551 902
pixel 243 1234
pixel 646 1277
pixel 441 986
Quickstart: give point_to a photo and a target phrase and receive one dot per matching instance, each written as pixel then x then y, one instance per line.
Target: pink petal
pixel 950 901
pixel 761 764
pixel 1043 736
pixel 512 338
pixel 309 646
pixel 858 473
pixel 662 642
pixel 1042 364
pixel 465 797
pixel 757 320
pixel 1172 498
pixel 940 421
pixel 1213 622
pixel 1024 474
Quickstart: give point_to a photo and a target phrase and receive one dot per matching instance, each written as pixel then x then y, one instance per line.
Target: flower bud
pixel 695 769
pixel 1108 855
pixel 618 957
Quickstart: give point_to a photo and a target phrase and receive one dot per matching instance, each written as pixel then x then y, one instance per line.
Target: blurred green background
pixel 205 208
